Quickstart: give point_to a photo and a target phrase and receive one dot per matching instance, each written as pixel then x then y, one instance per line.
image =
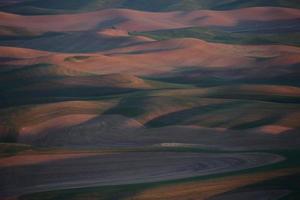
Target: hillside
pixel 149 100
pixel 39 7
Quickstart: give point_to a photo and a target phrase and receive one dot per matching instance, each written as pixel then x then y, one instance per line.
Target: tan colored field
pixel 131 20
pixel 274 129
pixel 117 81
pixel 56 123
pixel 164 107
pixel 86 102
pixel 128 105
pixel 161 57
pixel 37 119
pixel 15 52
pixel 110 32
pixel 203 190
pixel 23 160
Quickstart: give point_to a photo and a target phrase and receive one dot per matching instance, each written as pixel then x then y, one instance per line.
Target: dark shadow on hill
pixel 71 42
pixel 209 77
pixel 285 187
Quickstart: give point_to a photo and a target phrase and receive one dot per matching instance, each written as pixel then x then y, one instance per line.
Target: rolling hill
pixel 263 35
pixel 134 20
pixel 148 99
pixel 56 6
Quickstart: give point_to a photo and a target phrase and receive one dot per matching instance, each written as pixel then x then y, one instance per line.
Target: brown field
pixel 23 160
pixel 87 103
pixel 132 20
pixel 177 53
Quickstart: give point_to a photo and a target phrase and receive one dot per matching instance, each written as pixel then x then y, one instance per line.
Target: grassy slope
pixel 218 36
pixel 209 108
pixel 43 82
pixel 289 183
pixel 58 6
pixel 207 77
pixel 25 101
pixel 80 42
pixel 11 31
pixel 71 42
pixel 266 109
pixel 10 149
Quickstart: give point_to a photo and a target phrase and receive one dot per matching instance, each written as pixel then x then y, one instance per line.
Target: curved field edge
pixel 255 37
pixel 212 107
pixel 264 173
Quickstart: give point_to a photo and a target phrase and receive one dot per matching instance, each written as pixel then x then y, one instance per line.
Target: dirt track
pixel 123 168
